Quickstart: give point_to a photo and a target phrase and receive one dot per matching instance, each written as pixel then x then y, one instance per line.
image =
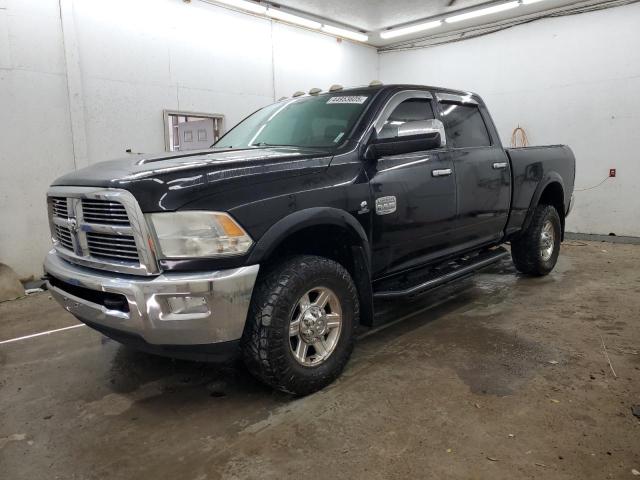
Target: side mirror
pixel 407 137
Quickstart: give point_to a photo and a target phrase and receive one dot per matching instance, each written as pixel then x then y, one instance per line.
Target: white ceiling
pixel 373 16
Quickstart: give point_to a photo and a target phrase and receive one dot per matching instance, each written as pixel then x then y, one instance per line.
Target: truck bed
pixel 532 168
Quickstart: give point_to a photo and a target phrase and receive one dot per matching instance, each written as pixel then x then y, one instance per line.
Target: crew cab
pixel 276 241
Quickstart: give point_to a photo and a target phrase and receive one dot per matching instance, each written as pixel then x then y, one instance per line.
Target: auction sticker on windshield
pixel 354 99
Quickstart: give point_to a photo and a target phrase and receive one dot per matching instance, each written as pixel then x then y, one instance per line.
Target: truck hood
pixel 169 180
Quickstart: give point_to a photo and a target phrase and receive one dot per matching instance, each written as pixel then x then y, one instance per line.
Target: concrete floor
pixel 497 377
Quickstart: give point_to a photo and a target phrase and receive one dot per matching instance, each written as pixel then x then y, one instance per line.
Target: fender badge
pixel 385 205
pixel 364 207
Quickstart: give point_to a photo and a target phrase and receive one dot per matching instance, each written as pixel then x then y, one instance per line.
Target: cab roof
pixel 398 87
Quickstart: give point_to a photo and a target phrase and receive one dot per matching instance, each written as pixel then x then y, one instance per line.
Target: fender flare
pixel 309 217
pixel 548 179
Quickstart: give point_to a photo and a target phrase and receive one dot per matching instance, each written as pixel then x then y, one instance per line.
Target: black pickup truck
pixel 277 240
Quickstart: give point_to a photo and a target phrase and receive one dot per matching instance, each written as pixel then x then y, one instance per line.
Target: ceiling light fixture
pixel 397 32
pixel 527 2
pixel 290 18
pixel 341 32
pixel 244 5
pixel 483 11
pixel 278 14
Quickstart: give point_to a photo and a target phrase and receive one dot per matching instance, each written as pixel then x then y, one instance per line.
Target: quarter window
pixel 465 126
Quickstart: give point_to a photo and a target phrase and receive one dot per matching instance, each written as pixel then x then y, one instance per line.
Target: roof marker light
pixel 397 32
pixel 315 91
pixel 335 88
pixel 375 83
pixel 483 11
pixel 297 94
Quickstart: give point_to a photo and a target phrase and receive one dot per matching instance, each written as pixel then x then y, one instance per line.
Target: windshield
pixel 318 121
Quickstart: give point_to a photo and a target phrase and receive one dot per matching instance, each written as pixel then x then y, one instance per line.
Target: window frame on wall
pixel 218 119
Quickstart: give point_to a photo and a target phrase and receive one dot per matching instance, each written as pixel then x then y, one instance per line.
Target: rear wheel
pixel 536 251
pixel 301 324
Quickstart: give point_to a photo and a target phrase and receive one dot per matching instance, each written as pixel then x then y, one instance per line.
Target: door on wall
pixel 190 131
pixel 197 135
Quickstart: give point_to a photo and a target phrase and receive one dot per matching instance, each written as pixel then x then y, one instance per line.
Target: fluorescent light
pixel 527 2
pixel 244 5
pixel 290 18
pixel 411 29
pixel 341 32
pixel 481 12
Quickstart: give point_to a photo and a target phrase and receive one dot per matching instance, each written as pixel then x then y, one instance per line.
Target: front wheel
pixel 301 325
pixel 536 251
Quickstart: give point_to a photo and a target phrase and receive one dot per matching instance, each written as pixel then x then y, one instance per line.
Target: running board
pixel 440 276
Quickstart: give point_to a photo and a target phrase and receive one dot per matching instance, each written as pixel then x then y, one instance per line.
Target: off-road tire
pixel 526 249
pixel 265 342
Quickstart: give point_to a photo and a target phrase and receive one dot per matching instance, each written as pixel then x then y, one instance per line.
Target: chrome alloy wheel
pixel 547 240
pixel 314 328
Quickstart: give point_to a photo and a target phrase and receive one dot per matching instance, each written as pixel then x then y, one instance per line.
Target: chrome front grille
pixel 103 211
pixel 119 247
pixel 101 228
pixel 63 235
pixel 59 207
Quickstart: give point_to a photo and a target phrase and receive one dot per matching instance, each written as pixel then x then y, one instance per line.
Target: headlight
pixel 199 234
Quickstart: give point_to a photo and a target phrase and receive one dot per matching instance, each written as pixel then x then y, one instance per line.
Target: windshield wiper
pixel 265 144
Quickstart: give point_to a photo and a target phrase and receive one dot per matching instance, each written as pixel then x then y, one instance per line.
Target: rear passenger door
pixel 483 178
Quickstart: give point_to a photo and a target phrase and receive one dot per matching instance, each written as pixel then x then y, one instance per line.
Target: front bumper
pixel 571 202
pixel 147 311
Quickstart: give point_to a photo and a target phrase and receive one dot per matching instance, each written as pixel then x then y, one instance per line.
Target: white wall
pixel 136 58
pixel 304 60
pixel 35 142
pixel 141 56
pixel 572 80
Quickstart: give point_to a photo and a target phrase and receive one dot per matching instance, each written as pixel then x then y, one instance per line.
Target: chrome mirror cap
pixel 423 127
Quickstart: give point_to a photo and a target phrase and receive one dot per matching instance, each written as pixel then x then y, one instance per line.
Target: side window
pixel 411 110
pixel 465 126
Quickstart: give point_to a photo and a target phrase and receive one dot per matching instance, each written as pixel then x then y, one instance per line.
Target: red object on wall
pixel 612 172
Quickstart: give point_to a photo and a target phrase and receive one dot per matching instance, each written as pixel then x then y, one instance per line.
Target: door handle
pixel 441 173
pixel 499 165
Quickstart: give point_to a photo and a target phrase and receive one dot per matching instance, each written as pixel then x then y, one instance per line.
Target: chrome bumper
pixel 226 296
pixel 570 206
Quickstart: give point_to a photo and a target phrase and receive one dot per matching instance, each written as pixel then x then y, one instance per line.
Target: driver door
pixel 414 194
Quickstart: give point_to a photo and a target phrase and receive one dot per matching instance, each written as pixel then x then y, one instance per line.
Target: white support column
pixel 74 84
